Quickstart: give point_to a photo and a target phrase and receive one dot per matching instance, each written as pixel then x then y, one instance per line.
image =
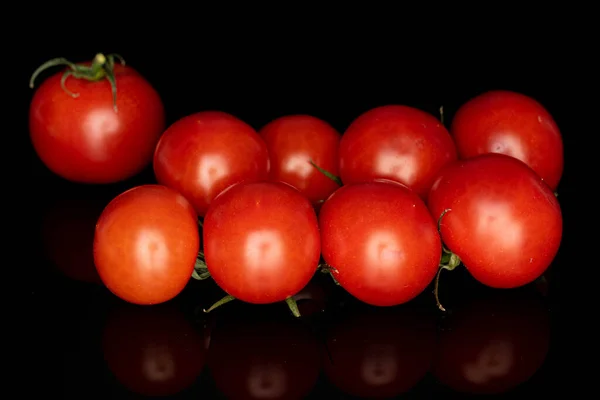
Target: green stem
pixel 293 306
pixel 442 114
pixel 219 303
pixel 101 67
pixel 327 173
pixel 200 275
pixel 452 263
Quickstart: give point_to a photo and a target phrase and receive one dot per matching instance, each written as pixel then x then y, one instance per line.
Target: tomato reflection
pixel 153 351
pixel 380 353
pixel 263 359
pixel 68 235
pixel 493 344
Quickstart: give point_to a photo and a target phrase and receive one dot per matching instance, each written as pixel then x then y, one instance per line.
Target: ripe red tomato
pixel 379 353
pixel 493 344
pixel 146 244
pixel 504 222
pixel 153 351
pixel 381 241
pixel 84 139
pixel 261 241
pixel 395 142
pixel 204 153
pixel 264 359
pixel 510 123
pixel 296 140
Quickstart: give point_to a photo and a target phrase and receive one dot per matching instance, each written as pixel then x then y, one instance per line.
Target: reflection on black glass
pixel 493 344
pixel 154 350
pixel 68 235
pixel 263 359
pixel 379 353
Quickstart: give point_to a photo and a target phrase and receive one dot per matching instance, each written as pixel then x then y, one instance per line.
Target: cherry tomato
pixel 83 138
pixel 68 236
pixel 504 222
pixel 296 140
pixel 379 353
pixel 510 123
pixel 204 153
pixel 395 142
pixel 250 359
pixel 493 344
pixel 381 241
pixel 153 351
pixel 146 243
pixel 261 241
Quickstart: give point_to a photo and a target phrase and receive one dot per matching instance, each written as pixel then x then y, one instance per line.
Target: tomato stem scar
pixel 219 303
pixel 101 67
pixel 293 306
pixel 328 174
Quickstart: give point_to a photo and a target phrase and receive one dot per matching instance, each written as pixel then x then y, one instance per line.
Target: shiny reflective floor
pixel 90 344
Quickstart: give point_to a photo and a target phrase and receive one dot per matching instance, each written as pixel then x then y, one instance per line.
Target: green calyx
pixel 449 261
pixel 102 67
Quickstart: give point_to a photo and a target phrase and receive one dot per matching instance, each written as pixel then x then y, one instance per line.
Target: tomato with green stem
pixel 380 242
pixel 498 218
pixel 146 244
pixel 261 242
pixel 295 142
pixel 96 122
pixel 395 142
pixel 203 154
pixel 506 122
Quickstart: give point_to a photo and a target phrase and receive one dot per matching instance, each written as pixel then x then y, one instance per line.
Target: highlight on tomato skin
pixel 294 141
pixel 493 343
pixel 263 357
pixel 395 142
pixel 511 123
pixel 379 352
pixel 499 218
pixel 202 154
pixel 153 351
pixel 146 244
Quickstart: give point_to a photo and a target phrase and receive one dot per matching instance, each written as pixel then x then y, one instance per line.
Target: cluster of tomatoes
pixel 382 207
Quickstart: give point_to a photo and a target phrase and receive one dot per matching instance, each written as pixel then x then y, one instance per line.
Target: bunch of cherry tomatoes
pixel 383 207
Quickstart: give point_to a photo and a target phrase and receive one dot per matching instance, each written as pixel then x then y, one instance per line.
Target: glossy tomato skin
pixel 261 241
pixel 264 359
pixel 146 243
pixel 514 124
pixel 295 140
pixel 381 240
pixel 204 153
pixel 395 142
pixel 83 139
pixel 153 351
pixel 504 222
pixel 379 353
pixel 493 344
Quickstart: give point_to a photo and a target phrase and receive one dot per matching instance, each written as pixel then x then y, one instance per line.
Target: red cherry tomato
pixel 153 351
pixel 395 142
pixel 68 236
pixel 146 244
pixel 83 138
pixel 261 241
pixel 264 359
pixel 510 123
pixel 379 353
pixel 381 241
pixel 504 222
pixel 296 140
pixel 204 153
pixel 493 344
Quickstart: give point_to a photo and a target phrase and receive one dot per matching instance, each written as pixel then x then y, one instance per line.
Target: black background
pixel 259 77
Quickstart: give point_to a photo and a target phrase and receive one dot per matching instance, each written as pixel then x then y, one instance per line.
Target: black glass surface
pixel 90 344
